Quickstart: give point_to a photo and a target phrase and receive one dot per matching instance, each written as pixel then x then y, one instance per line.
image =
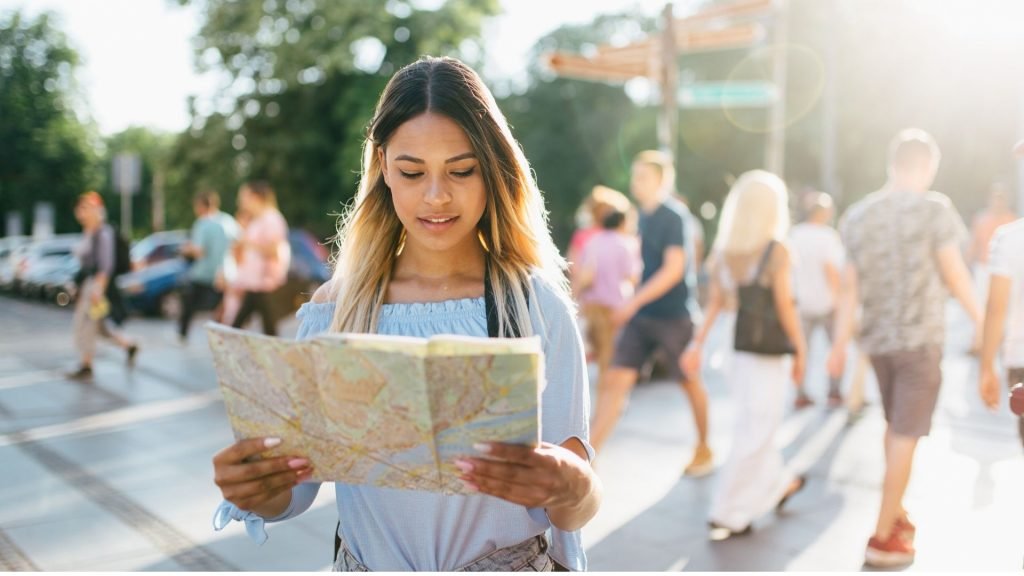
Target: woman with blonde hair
pixel 447 216
pixel 750 251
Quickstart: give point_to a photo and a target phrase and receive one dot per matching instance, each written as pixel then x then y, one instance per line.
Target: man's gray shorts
pixel 645 335
pixel 909 382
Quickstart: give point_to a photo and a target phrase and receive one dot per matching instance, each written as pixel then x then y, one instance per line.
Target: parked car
pixel 8 247
pixel 158 247
pixel 48 274
pixel 156 290
pixel 39 257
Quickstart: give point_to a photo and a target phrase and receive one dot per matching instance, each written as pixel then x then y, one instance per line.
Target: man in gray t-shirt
pixel 903 253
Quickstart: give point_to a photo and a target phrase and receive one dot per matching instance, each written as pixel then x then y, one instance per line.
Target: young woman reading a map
pixel 446 205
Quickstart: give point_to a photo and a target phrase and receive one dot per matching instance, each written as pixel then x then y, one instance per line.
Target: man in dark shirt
pixel 658 318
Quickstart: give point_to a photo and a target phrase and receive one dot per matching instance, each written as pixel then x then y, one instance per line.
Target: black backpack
pixel 122 253
pixel 492 332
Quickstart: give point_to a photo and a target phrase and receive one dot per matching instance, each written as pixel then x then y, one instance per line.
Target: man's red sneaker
pixel 904 526
pixel 894 552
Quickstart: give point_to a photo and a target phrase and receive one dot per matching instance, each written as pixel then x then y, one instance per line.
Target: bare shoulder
pixel 325 293
pixel 782 255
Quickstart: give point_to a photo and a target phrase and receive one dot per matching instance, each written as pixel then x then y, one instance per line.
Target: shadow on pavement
pixel 672 534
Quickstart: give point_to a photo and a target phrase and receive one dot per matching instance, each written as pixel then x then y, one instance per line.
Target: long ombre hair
pixel 756 211
pixel 513 228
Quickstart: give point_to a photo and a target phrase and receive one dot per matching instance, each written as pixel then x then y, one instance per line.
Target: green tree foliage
pixel 575 133
pixel 306 75
pixel 46 152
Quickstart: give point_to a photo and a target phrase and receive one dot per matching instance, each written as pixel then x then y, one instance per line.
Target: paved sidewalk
pixel 116 475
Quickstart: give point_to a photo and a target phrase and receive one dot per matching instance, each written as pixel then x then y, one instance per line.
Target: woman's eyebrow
pixel 415 160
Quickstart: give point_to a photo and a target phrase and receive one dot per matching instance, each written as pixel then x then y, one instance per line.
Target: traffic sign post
pixel 127 178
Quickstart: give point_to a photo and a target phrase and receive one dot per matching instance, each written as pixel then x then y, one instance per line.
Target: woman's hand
pixel 260 486
pixel 799 364
pixel 548 476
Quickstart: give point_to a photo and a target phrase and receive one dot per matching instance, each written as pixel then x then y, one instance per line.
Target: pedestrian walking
pixel 209 249
pixel 98 296
pixel 818 255
pixel 750 250
pixel 658 319
pixel 902 254
pixel 983 227
pixel 605 279
pixel 1004 316
pixel 265 255
pixel 446 214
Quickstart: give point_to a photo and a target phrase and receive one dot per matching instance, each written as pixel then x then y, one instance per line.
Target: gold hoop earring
pixel 401 243
pixel 483 241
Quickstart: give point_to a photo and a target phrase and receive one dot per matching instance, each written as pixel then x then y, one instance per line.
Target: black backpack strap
pixel 492 308
pixel 764 261
pixel 337 540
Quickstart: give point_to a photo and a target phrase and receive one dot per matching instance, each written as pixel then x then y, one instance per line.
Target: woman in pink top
pixel 607 273
pixel 265 254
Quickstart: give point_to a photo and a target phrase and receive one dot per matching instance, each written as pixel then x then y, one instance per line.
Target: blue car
pixel 156 289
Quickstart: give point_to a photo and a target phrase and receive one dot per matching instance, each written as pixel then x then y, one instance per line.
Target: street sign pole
pixel 775 150
pixel 127 177
pixel 668 123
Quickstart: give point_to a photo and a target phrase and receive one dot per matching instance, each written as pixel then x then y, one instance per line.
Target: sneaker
pixel 895 552
pixel 905 527
pixel 802 401
pixel 702 464
pixel 798 484
pixel 717 532
pixel 83 373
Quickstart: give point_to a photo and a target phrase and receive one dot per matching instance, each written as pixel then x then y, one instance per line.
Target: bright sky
pixel 138 59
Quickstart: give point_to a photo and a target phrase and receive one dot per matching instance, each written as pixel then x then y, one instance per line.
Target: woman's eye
pixel 465 173
pixel 410 175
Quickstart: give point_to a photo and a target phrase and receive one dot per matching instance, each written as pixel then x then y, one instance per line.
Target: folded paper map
pixel 387 411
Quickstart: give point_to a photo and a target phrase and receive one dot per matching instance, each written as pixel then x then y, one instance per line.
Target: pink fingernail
pixel 470 486
pixel 296 463
pixel 464 466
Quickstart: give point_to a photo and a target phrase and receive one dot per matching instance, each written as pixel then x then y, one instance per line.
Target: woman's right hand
pixel 262 486
pixel 799 364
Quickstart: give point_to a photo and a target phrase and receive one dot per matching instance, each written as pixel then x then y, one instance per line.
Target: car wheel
pixel 171 305
pixel 63 298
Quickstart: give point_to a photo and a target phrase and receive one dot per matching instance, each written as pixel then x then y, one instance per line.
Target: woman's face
pixel 436 184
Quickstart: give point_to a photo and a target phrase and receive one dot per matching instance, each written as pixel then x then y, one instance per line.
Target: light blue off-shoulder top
pixel 401 530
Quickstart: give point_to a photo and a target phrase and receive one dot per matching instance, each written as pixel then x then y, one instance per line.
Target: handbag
pixel 758 329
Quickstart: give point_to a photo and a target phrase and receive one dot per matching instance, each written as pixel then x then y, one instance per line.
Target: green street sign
pixel 731 94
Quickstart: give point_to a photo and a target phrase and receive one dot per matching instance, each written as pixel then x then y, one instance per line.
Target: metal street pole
pixel 668 121
pixel 126 212
pixel 158 200
pixel 775 153
pixel 829 178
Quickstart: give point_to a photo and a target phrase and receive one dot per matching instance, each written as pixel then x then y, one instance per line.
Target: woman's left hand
pixel 548 476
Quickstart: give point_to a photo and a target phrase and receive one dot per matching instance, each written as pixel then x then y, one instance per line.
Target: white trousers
pixel 754 477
